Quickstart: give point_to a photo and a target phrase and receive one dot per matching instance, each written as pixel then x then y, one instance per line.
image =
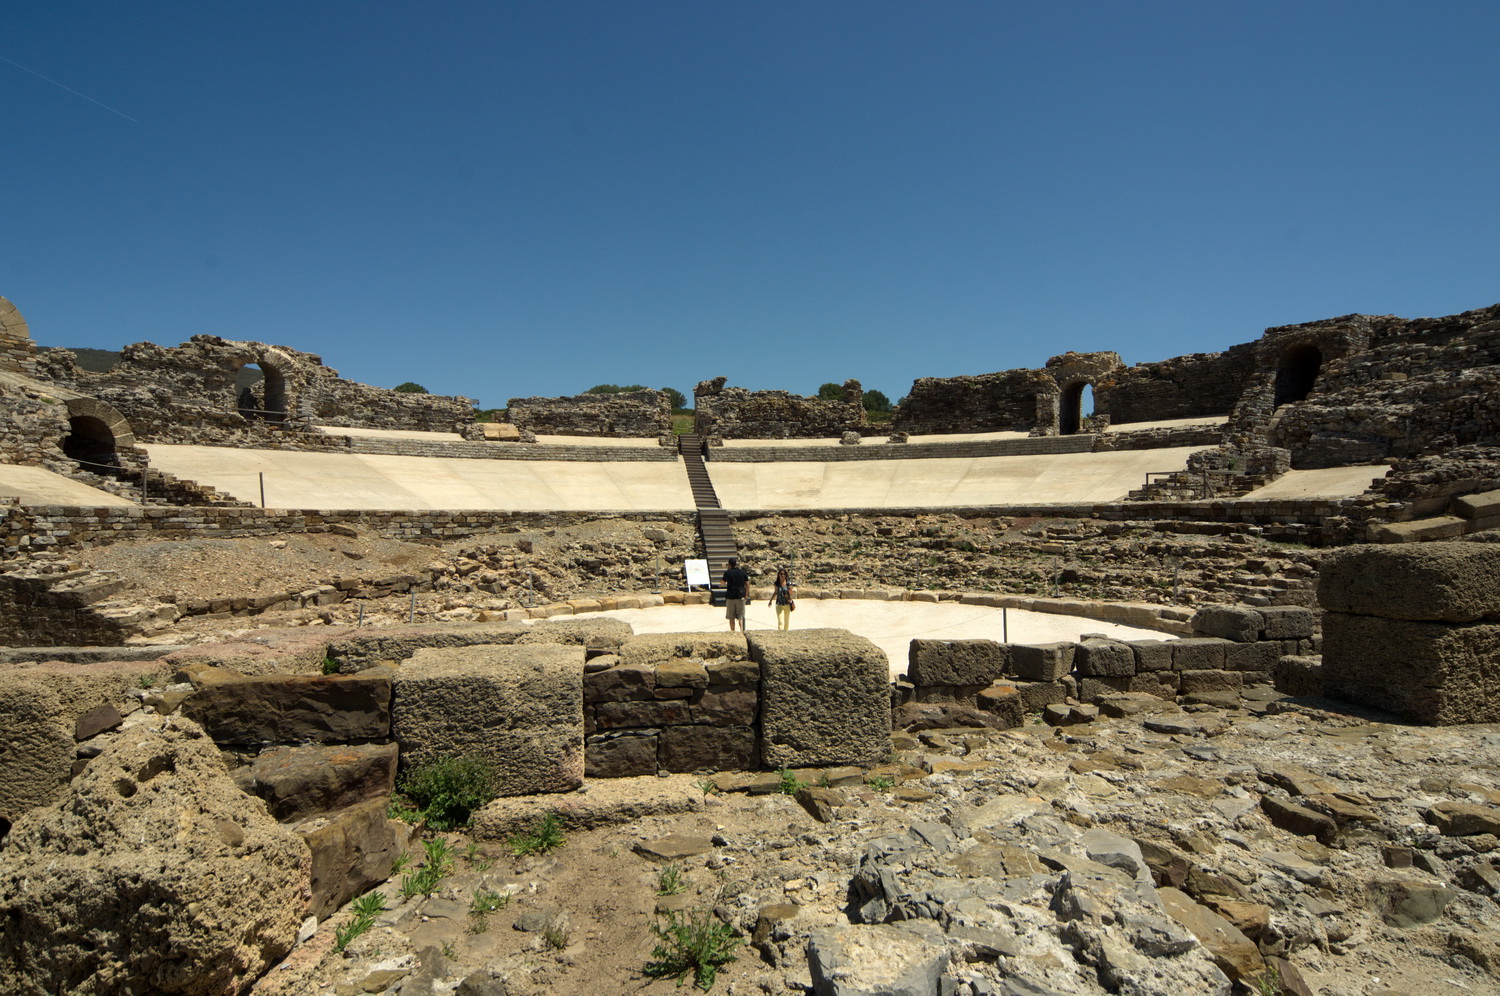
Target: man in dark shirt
pixel 736 590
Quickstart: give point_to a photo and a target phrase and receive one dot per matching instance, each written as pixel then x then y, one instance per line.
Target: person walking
pixel 736 588
pixel 782 600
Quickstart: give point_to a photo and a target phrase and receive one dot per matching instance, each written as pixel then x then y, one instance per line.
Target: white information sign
pixel 697 572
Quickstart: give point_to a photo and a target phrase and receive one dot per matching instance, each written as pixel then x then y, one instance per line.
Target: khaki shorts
pixel 734 608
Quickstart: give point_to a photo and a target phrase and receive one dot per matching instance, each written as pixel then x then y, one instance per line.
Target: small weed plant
pixel 367 909
pixel 882 783
pixel 485 902
pixel 399 865
pixel 709 787
pixel 545 836
pixel 438 866
pixel 696 943
pixel 447 790
pixel 790 784
pixel 670 882
pixel 330 666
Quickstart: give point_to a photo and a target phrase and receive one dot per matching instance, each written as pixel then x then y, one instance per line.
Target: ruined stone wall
pixel 17 352
pixel 993 402
pixel 1404 388
pixel 31 427
pixel 188 393
pixel 637 414
pixel 1189 386
pixel 737 413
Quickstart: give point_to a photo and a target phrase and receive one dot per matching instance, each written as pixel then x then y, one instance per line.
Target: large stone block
pixel 1228 622
pixel 1151 655
pixel 1044 662
pixel 160 876
pixel 292 709
pixel 1299 675
pixel 518 707
pixel 974 663
pixel 1287 622
pixel 297 782
pixel 352 850
pixel 652 649
pixel 825 698
pixel 1253 656
pixel 1105 659
pixel 367 648
pixel 1435 582
pixel 621 755
pixel 708 748
pixel 1427 671
pixel 1198 653
pixel 601 633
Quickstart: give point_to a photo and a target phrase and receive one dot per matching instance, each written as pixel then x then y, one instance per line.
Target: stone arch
pixel 97 432
pixel 1070 407
pixel 1296 371
pixel 269 403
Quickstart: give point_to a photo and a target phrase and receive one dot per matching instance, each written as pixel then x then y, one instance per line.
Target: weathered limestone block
pixel 293 709
pixel 1105 659
pixel 1151 655
pixel 1037 694
pixel 621 683
pixel 1004 700
pixel 1093 689
pixel 352 850
pixel 708 748
pixel 297 782
pixel 1235 953
pixel 1162 684
pixel 1047 662
pixel 621 755
pixel 1430 672
pixel 274 651
pixel 956 662
pixel 162 877
pixel 1287 622
pixel 367 648
pixel 1435 582
pixel 1253 656
pixel 36 747
pixel 596 634
pixel 1299 675
pixel 1193 682
pixel 825 698
pixel 518 707
pixel 1437 527
pixel 728 705
pixel 657 712
pixel 688 674
pixel 653 649
pixel 1228 622
pixel 1198 653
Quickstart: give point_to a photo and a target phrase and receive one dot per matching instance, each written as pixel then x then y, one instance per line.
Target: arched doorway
pixel 260 392
pixel 1075 400
pixel 1296 373
pixel 91 442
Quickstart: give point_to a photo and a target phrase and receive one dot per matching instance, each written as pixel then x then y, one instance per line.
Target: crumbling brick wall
pixel 992 402
pixel 737 413
pixel 636 414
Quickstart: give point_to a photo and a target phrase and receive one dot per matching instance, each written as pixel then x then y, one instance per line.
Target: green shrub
pixel 545 836
pixel 790 784
pixel 696 943
pixel 447 790
pixel 366 909
pixel 330 666
pixel 670 881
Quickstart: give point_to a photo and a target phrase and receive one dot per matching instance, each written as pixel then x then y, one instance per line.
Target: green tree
pixel 410 387
pixel 616 389
pixel 831 392
pixel 876 401
pixel 676 397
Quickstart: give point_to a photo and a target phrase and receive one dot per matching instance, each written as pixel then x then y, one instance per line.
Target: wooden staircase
pixel 715 532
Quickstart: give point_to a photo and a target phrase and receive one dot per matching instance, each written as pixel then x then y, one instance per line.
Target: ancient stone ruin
pixel 1281 782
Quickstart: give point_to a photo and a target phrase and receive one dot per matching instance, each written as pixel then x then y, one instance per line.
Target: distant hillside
pixel 97 360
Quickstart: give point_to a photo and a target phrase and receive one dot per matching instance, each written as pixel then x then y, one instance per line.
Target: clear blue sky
pixel 499 199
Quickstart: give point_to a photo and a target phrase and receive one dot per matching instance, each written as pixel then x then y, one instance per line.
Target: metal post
pixel 1004 624
pixel 361 617
pixel 656 577
pixel 262 489
pixel 411 616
